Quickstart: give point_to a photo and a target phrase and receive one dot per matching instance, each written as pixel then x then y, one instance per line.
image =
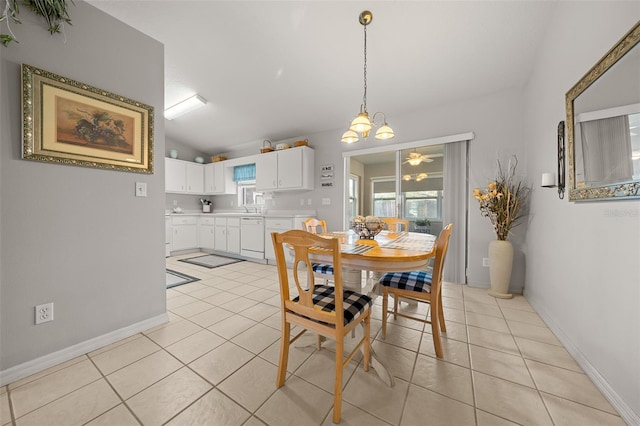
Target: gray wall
pixel 77 236
pixel 583 274
pixel 496 120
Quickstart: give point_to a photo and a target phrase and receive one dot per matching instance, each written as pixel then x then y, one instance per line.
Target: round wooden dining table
pixel 386 252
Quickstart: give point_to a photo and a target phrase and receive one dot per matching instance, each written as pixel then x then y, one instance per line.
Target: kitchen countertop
pixel 234 213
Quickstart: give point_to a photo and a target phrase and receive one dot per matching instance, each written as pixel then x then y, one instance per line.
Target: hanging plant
pixel 54 13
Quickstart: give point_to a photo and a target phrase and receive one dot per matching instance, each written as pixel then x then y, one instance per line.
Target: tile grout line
pixel 544 404
pixel 114 391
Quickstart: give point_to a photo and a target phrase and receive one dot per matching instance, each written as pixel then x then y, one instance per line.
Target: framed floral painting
pixel 68 122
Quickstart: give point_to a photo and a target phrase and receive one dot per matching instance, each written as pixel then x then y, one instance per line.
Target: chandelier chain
pixel 364 98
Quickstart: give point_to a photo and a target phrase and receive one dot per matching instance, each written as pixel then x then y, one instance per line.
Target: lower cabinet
pixel 233 235
pixel 220 234
pixel 168 230
pixel 274 225
pixel 206 233
pixel 185 233
pixel 227 234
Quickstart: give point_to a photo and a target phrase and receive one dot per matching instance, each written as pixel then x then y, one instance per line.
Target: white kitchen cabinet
pixel 175 177
pixel 183 177
pixel 220 234
pixel 227 234
pixel 233 235
pixel 286 170
pixel 274 225
pixel 206 232
pixel 195 178
pixel 185 233
pixel 218 179
pixel 168 236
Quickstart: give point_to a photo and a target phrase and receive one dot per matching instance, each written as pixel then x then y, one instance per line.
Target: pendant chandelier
pixel 362 125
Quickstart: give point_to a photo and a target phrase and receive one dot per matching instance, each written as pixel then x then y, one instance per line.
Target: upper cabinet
pixel 218 179
pixel 195 178
pixel 183 177
pixel 175 175
pixel 286 170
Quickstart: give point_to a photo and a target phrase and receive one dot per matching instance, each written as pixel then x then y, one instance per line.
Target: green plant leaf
pixel 5 39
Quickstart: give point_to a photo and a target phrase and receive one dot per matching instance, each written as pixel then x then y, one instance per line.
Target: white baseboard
pixel 627 414
pixel 28 368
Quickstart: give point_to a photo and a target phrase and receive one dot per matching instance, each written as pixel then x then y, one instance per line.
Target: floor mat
pixel 175 279
pixel 211 261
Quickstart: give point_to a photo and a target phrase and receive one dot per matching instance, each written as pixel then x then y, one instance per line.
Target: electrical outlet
pixel 309 202
pixel 485 262
pixel 44 313
pixel 175 203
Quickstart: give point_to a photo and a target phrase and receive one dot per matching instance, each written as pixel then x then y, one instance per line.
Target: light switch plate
pixel 141 189
pixel 326 201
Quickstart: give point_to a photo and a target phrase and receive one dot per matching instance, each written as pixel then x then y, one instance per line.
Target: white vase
pixel 500 264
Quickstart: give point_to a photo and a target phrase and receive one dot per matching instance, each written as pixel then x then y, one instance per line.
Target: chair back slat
pixel 395 224
pixel 315 226
pixel 302 243
pixel 442 244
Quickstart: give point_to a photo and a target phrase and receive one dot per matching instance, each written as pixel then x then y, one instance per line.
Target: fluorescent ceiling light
pixel 181 108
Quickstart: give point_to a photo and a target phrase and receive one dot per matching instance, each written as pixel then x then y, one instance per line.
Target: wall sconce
pixel 549 179
pixel 561 160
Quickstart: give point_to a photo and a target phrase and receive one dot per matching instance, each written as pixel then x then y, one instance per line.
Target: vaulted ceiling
pixel 283 69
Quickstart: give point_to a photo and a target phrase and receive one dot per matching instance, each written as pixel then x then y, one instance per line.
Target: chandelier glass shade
pixel 362 124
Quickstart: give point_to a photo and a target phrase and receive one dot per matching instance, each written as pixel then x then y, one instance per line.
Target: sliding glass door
pixel 425 184
pixel 421 187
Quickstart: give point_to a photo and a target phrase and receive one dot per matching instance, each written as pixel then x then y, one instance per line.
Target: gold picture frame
pixel 68 122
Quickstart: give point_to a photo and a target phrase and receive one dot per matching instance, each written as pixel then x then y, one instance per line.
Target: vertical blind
pixel 244 172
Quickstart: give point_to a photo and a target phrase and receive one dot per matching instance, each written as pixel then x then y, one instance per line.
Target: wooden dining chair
pixel 420 286
pixel 396 225
pixel 324 271
pixel 329 311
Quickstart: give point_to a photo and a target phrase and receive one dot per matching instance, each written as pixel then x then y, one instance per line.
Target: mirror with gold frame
pixel 603 126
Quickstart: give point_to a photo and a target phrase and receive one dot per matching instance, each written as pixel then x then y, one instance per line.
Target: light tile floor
pixel 215 363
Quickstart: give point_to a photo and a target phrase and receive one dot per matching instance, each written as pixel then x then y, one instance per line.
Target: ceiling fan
pixel 415 158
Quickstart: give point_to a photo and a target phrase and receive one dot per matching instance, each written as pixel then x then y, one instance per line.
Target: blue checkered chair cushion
pixel 322 268
pixel 419 281
pixel 353 303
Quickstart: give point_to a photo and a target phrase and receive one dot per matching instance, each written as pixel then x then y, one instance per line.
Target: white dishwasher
pixel 252 237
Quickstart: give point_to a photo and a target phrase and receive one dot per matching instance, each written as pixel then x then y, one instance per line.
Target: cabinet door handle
pixel 274 183
pixel 279 183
